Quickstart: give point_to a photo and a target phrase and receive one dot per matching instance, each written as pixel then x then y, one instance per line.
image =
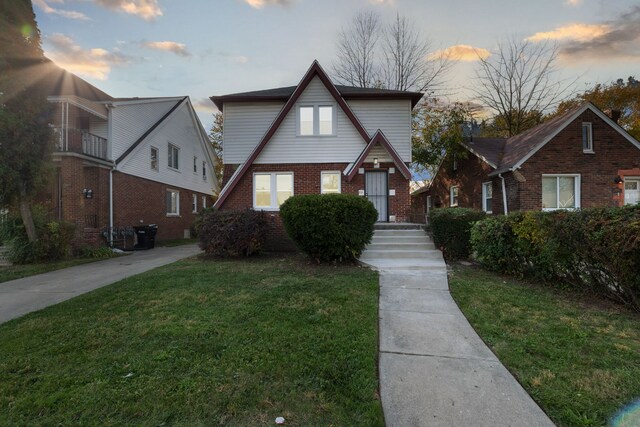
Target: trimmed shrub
pixel 54 238
pixel 232 233
pixel 451 229
pixel 329 227
pixel 597 250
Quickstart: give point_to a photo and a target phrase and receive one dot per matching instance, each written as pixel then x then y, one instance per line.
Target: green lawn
pixel 578 358
pixel 13 272
pixel 201 343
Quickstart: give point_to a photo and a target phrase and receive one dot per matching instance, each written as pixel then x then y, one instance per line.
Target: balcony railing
pixel 80 141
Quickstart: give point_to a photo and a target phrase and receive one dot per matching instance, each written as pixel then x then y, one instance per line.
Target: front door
pixel 631 191
pixel 377 191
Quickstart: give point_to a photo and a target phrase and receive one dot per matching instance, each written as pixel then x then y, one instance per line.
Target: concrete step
pixel 400 254
pixel 397 226
pixel 400 239
pixel 401 246
pixel 405 264
pixel 399 233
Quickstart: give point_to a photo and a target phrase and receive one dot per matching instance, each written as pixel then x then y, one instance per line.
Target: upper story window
pixel 330 182
pixel 204 171
pixel 195 164
pixel 174 155
pixel 316 120
pixel 560 191
pixel 587 137
pixel 487 197
pixel 270 190
pixel 453 196
pixel 154 159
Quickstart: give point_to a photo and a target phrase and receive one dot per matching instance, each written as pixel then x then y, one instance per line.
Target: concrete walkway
pixel 22 296
pixel 434 369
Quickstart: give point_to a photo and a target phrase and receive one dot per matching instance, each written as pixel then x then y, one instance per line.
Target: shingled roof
pixel 284 93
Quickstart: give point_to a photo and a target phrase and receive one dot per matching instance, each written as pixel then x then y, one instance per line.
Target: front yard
pixel 201 343
pixel 578 358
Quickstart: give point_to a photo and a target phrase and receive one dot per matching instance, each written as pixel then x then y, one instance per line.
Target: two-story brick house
pixel 579 159
pixel 316 138
pixel 122 162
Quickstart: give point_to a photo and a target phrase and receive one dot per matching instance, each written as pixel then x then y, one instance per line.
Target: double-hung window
pixel 204 171
pixel 173 203
pixel 587 137
pixel 154 159
pixel 330 182
pixel 487 197
pixel 453 196
pixel 270 190
pixel 174 154
pixel 195 164
pixel 560 191
pixel 194 204
pixel 204 202
pixel 318 120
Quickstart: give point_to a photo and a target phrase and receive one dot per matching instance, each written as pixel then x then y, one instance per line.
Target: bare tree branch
pixel 519 83
pixel 355 65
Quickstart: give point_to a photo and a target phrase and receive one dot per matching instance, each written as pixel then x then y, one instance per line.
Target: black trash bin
pixel 146 236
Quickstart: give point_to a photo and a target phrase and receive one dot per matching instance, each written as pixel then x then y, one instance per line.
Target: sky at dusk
pixel 213 47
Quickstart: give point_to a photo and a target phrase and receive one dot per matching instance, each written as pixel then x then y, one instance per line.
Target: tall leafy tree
pixel 621 95
pixel 215 137
pixel 26 141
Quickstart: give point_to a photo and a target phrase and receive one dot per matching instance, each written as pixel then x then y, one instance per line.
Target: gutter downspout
pixel 113 166
pixel 504 195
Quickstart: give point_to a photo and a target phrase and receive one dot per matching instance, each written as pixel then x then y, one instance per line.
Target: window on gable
pixel 306 120
pixel 487 197
pixel 154 159
pixel 174 153
pixel 204 171
pixel 453 196
pixel 270 190
pixel 587 137
pixel 560 192
pixel 173 203
pixel 316 120
pixel 195 164
pixel 330 182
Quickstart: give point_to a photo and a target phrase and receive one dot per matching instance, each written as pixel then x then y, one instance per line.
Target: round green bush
pixel 329 227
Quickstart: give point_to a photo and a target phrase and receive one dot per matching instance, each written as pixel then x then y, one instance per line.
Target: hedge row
pixel 451 229
pixel 591 249
pixel 329 227
pixel 232 233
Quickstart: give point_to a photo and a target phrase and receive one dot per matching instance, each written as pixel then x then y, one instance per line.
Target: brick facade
pixel 306 180
pixel 613 156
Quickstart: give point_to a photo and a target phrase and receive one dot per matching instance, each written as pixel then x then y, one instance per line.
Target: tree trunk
pixel 25 213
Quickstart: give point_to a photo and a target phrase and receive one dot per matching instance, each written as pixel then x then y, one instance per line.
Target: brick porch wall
pixel 306 180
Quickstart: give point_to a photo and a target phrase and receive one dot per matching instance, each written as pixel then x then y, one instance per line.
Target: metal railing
pixel 80 141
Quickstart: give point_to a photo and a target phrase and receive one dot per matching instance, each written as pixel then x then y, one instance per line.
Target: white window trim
pixel 451 196
pixel 274 194
pixel 316 119
pixel 177 214
pixel 194 203
pixel 484 196
pixel 169 145
pixel 157 168
pixel 590 134
pixel 204 202
pixel 628 178
pixel 576 189
pixel 339 181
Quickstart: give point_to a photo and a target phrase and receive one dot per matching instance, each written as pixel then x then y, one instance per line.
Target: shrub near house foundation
pixel 329 227
pixel 597 250
pixel 232 233
pixel 451 228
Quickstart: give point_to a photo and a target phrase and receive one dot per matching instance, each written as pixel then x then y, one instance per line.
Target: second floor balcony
pixel 81 141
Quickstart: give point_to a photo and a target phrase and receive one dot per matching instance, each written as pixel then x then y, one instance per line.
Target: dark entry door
pixel 377 191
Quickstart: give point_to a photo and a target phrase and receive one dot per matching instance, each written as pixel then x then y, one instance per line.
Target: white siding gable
pixel 286 147
pixel 244 126
pixel 392 117
pixel 130 121
pixel 180 130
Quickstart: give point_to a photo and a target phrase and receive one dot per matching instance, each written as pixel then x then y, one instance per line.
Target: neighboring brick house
pixel 580 159
pixel 121 162
pixel 316 138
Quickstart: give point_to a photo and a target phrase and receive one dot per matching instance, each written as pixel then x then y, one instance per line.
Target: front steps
pixel 401 246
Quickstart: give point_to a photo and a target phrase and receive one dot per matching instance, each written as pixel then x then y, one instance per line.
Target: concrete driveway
pixel 22 296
